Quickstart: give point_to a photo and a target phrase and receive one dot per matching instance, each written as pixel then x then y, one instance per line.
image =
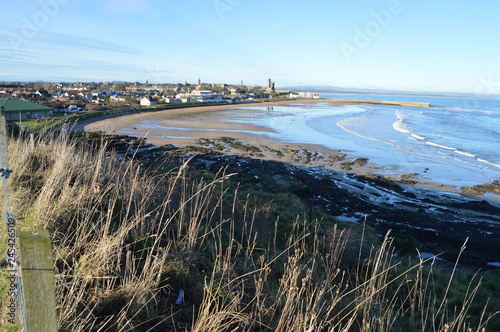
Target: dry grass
pixel 127 240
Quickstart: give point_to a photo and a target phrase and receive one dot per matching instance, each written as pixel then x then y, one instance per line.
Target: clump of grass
pixel 129 241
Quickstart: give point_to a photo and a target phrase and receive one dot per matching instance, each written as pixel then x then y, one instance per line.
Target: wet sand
pixel 184 126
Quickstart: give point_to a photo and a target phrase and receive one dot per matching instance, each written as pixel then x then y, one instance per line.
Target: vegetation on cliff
pixel 166 247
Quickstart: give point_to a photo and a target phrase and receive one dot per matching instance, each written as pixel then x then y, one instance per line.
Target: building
pixel 201 93
pixel 172 100
pixel 147 102
pixel 200 96
pixel 184 97
pixel 270 85
pixel 117 99
pixel 18 109
pixel 308 95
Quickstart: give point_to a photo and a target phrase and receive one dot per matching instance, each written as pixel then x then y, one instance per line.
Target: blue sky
pixel 393 44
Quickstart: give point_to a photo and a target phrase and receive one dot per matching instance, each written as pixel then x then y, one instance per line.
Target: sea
pixel 454 142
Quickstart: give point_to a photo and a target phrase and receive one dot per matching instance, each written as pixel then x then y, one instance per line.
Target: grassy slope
pixel 127 240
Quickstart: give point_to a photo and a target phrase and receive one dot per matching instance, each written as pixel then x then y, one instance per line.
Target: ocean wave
pixel 488 162
pixel 440 146
pixel 343 124
pixel 466 153
pixel 400 125
pixel 400 115
pixel 463 153
pixel 418 137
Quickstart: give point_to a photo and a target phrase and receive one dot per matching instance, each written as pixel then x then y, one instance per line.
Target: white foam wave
pixel 400 125
pixel 463 153
pixel 440 146
pixel 488 162
pixel 418 137
pixel 466 153
pixel 344 125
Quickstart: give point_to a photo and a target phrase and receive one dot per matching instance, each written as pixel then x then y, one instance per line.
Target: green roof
pixel 16 105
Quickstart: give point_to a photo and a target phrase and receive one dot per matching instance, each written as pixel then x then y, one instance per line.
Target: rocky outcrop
pixel 432 221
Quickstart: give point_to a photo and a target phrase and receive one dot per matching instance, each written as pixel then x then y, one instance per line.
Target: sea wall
pixel 381 102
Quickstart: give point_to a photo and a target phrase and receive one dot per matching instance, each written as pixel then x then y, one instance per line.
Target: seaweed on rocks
pixel 436 221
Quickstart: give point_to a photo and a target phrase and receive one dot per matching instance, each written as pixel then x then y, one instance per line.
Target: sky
pixel 406 45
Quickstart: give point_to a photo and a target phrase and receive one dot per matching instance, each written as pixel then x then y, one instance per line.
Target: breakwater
pixel 381 102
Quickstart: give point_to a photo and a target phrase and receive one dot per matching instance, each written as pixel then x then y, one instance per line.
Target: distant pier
pixel 381 102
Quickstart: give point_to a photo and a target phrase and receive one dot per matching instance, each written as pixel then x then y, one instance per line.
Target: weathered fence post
pixel 38 284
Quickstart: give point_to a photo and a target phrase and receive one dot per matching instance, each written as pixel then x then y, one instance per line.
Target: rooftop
pixel 16 105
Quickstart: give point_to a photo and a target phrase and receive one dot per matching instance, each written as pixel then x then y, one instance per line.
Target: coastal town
pixel 63 98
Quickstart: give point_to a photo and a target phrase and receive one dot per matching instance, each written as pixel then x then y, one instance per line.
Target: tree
pixel 120 87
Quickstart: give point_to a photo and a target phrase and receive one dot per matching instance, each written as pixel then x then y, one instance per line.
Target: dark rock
pixel 434 221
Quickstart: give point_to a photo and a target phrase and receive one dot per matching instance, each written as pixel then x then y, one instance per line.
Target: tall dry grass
pixel 129 241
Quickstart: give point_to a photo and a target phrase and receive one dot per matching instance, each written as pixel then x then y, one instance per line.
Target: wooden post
pixel 38 283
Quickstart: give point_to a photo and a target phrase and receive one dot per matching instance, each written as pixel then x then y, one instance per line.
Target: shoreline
pixel 439 222
pixel 193 122
pixel 129 118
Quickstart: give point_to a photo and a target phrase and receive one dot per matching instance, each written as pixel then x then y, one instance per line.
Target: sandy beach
pixel 182 127
pixel 192 118
pixel 199 122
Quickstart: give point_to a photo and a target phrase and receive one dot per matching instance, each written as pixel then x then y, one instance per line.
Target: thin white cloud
pixel 62 40
pixel 66 69
pixel 91 43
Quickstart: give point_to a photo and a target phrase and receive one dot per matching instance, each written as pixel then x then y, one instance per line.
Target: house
pixel 308 95
pixel 18 109
pixel 201 93
pixel 172 100
pixel 117 99
pixel 185 99
pixel 147 102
